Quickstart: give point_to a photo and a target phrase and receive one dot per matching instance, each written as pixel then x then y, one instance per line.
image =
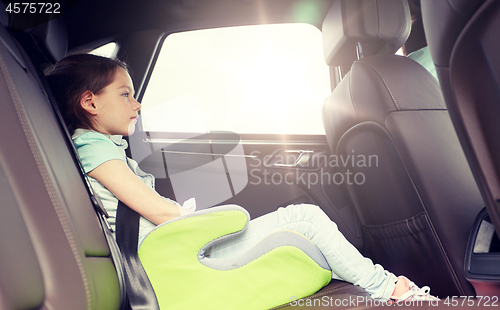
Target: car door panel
pixel 256 171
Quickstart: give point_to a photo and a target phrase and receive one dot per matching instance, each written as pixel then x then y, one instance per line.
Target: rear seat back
pixel 53 254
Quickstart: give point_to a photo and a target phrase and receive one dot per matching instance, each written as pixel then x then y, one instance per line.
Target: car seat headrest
pixel 380 26
pixel 49 33
pixel 4 18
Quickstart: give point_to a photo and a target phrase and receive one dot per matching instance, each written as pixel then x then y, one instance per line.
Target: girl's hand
pixel 184 211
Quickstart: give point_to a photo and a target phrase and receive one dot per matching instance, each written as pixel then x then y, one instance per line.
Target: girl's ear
pixel 87 102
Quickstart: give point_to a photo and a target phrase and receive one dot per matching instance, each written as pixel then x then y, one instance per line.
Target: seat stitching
pixel 385 83
pixel 46 179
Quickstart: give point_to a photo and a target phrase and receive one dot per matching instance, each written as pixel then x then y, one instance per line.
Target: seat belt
pixel 139 290
pixel 136 292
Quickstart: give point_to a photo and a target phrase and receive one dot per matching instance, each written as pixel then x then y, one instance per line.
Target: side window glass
pixel 106 50
pixel 263 79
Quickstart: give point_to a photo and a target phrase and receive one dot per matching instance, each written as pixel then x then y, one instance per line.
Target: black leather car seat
pixel 418 200
pixel 463 40
pixel 54 253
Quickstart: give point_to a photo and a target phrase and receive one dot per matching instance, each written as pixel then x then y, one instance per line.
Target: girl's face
pixel 115 110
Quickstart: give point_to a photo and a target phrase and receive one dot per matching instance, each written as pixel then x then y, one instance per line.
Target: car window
pixel 106 50
pixel 263 79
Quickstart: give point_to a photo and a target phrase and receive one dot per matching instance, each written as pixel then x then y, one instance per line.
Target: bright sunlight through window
pixel 106 50
pixel 265 79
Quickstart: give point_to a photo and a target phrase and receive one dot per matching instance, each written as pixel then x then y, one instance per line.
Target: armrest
pixel 269 274
pixel 482 257
pixel 201 227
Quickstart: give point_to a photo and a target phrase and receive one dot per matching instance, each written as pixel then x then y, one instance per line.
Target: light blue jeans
pixel 310 221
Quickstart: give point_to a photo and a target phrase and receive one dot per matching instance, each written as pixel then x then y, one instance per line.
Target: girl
pixel 96 97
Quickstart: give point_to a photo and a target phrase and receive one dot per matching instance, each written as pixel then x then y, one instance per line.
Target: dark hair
pixel 74 75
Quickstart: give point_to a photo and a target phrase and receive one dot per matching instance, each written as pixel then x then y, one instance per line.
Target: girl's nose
pixel 137 105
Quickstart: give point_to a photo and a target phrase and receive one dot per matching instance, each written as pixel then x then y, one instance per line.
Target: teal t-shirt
pixel 94 149
pixel 423 57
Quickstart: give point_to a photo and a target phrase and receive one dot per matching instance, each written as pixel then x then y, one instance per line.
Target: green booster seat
pixel 283 266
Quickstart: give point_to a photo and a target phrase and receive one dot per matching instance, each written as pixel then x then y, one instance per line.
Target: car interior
pixel 428 208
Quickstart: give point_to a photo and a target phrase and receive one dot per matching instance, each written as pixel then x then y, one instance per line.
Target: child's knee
pixel 308 210
pixel 312 209
pixel 317 215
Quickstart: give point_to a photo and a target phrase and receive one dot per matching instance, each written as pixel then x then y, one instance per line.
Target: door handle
pixel 302 159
